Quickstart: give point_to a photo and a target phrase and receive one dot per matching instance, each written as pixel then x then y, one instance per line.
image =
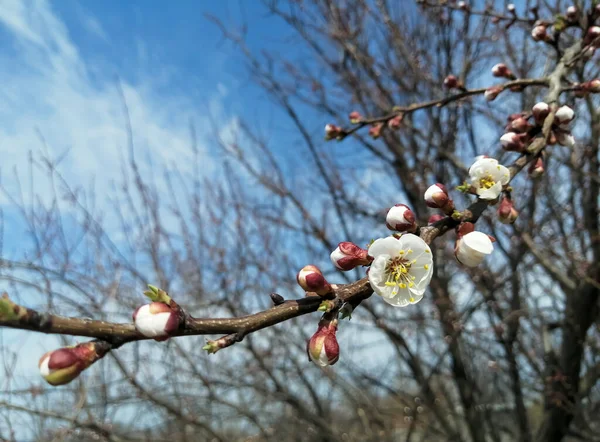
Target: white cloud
pixel 50 89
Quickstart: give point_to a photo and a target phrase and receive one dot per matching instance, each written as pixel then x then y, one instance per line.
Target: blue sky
pixel 59 65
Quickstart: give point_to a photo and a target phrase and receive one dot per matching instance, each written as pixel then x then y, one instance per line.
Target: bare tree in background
pixel 505 350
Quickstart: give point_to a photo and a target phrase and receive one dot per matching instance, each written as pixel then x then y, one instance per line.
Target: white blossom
pixel 401 269
pixel 488 177
pixel 472 248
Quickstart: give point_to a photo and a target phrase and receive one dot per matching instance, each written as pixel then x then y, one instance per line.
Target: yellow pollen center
pixel 486 182
pixel 397 272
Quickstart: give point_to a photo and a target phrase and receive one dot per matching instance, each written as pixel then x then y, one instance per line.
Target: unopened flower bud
pixel 435 218
pixel 564 138
pixel 539 33
pixel 501 70
pixel 311 279
pixel 536 168
pixel 564 115
pixel 592 35
pixel 396 122
pixel 401 219
pixel 323 348
pixel 593 86
pixel 572 13
pixel 540 112
pixel 348 256
pixel 355 117
pixel 513 142
pixel 375 130
pixel 332 131
pixel 451 82
pixel 436 196
pixel 507 213
pixel 61 366
pixel 156 320
pixel 492 92
pixel 511 8
pixel 472 248
pixel 519 125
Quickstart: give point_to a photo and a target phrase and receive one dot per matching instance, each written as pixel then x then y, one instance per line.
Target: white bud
pixel 472 248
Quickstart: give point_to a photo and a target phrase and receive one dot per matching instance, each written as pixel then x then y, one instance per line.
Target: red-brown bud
pixel 592 35
pixel 451 82
pixel 436 196
pixel 536 169
pixel 540 33
pixel 540 111
pixel 61 366
pixel 492 92
pixel 311 279
pixel 401 219
pixel 323 348
pixel 507 213
pixel 435 218
pixel 396 122
pixel 501 70
pixel 375 130
pixel 355 117
pixel 332 131
pixel 348 256
pixel 513 142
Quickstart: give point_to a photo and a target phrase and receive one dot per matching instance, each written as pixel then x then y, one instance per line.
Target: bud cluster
pixel 520 131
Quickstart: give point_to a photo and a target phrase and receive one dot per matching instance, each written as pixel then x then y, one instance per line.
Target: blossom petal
pixel 385 246
pixel 479 242
pixel 413 242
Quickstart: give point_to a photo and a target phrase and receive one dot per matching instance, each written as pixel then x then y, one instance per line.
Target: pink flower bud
pixel 519 125
pixel 375 130
pixel 348 256
pixel 401 219
pixel 591 35
pixel 539 33
pixel 564 115
pixel 572 13
pixel 536 168
pixel 355 117
pixel 464 228
pixel 396 122
pixel 507 213
pixel 323 348
pixel 451 82
pixel 564 138
pixel 156 320
pixel 332 131
pixel 436 196
pixel 435 218
pixel 540 112
pixel 61 366
pixel 492 92
pixel 501 70
pixel 311 279
pixel 593 86
pixel 513 142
